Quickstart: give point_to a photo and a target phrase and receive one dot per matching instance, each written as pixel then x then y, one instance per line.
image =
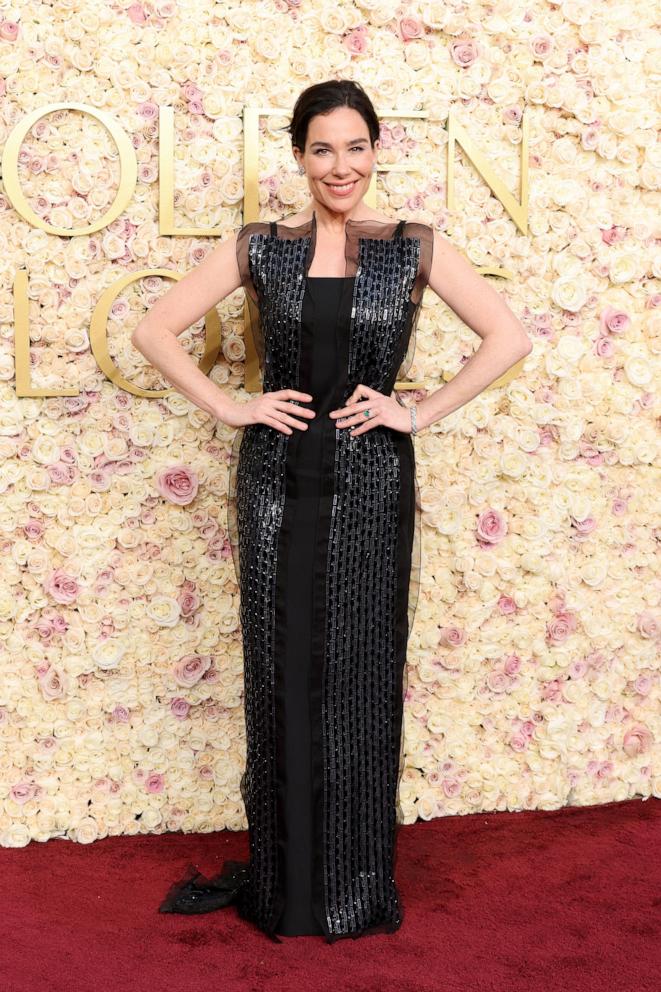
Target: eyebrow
pixel 326 145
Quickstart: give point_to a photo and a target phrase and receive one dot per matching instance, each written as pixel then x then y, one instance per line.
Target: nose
pixel 340 169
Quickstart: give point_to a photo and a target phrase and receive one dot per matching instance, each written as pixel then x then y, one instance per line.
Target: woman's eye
pixel 355 148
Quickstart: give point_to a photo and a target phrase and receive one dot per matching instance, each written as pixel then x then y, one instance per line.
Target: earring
pixel 374 167
pixel 301 170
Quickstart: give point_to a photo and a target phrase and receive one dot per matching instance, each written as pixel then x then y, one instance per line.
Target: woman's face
pixel 338 158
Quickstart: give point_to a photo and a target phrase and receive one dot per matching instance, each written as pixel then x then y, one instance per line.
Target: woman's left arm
pixel 484 310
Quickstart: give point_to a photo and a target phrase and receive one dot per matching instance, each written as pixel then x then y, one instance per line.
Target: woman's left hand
pixel 383 410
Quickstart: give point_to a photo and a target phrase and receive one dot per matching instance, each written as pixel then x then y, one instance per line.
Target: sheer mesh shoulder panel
pixel 425 233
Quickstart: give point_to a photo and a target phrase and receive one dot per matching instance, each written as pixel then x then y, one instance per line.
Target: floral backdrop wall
pixel 533 675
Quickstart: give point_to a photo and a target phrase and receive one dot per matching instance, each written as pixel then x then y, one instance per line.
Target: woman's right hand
pixel 274 409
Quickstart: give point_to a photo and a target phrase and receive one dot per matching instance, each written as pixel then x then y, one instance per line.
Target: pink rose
pixel 178 484
pixel 44 629
pixel 33 529
pixel 8 30
pixel 355 41
pixel 23 792
pixel 61 474
pixel 451 787
pixel 560 627
pixel 609 235
pixel 648 625
pixel 451 637
pixel 491 527
pixel 189 670
pixel 552 692
pixel 614 320
pixel 51 685
pixel 604 347
pixel 179 708
pixel 198 253
pixel 642 685
pixel 464 52
pixel 519 741
pixel 62 587
pixel 154 782
pixel 619 507
pixel 498 681
pixel 191 91
pixel 409 28
pixel 136 13
pixel 578 668
pixel 541 46
pixel 512 664
pixel 188 603
pixel 506 605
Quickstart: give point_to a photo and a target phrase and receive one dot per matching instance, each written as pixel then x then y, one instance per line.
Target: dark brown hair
pixel 320 98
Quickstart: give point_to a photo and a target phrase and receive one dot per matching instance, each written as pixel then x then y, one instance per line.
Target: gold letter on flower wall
pixel 518 211
pixel 127 161
pixel 99 337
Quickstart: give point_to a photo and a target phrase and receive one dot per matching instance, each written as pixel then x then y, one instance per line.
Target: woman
pixel 323 519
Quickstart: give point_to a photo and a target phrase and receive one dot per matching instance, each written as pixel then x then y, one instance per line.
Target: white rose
pixel 513 463
pixel 623 268
pixel 638 370
pixel 571 347
pixel 646 451
pixel 86 832
pixel 45 450
pixel 16 835
pixel 594 572
pixel 164 610
pixel 569 293
pixel 107 655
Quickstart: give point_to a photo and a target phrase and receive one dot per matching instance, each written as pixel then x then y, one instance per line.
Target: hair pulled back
pixel 321 98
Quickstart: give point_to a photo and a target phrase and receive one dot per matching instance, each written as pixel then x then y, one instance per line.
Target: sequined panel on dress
pixel 276 267
pixel 360 686
pixel 260 493
pixel 380 310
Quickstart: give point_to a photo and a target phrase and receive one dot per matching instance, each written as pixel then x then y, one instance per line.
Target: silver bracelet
pixel 414 427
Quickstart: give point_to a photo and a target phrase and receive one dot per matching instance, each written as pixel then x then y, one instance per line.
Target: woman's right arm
pixel 189 299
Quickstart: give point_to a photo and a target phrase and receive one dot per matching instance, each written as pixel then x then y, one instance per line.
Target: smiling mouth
pixel 342 187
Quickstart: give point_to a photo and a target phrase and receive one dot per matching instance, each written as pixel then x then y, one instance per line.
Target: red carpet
pixel 560 901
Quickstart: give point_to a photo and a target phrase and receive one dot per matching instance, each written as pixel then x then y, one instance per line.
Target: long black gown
pixel 325 530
